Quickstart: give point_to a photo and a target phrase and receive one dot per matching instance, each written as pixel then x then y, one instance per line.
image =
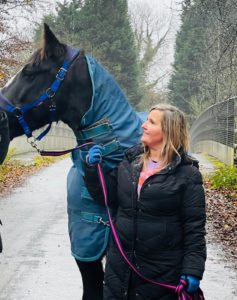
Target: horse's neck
pixel 107 102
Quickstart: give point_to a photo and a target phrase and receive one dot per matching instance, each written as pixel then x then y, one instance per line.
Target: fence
pixel 215 131
pixel 60 137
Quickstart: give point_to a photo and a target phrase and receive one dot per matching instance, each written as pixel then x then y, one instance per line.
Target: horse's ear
pixel 82 53
pixel 50 44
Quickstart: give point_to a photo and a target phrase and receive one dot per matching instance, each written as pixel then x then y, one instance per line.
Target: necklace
pixel 153 164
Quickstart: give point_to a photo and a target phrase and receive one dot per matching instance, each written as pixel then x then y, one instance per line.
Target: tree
pixel 111 37
pixel 103 29
pixel 205 68
pixel 14 44
pixel 151 32
pixel 184 83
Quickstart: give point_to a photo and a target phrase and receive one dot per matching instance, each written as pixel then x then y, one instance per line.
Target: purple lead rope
pixel 58 153
pixel 183 295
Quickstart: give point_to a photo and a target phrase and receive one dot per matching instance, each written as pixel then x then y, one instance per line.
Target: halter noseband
pixel 19 112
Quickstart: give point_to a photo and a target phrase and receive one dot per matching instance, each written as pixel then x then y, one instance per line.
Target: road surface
pixel 36 263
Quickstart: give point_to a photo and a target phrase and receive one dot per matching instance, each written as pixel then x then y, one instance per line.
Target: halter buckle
pixel 50 93
pixel 18 112
pixel 61 74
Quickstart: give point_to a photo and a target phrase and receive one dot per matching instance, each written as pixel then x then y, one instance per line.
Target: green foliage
pixel 40 161
pixel 102 28
pixel 4 168
pixel 151 98
pixel 205 69
pixel 225 177
pixel 184 84
pixel 217 163
pixel 9 156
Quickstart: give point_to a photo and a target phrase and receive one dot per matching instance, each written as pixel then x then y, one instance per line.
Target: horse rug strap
pixel 91 217
pixel 87 134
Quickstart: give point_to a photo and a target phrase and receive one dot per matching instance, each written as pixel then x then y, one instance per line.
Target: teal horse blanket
pixel 110 121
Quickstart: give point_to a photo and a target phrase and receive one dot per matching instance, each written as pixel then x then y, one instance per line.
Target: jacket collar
pixel 182 158
pixel 136 151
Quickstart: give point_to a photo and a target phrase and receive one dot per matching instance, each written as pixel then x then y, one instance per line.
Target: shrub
pixel 4 168
pixel 39 161
pixel 225 177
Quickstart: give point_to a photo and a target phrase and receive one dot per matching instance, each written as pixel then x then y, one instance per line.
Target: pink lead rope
pixel 183 295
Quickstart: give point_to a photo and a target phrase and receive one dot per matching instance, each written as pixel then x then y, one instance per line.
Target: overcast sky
pixel 169 10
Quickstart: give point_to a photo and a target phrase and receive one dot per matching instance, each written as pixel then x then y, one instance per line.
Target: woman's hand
pixel 94 155
pixel 193 283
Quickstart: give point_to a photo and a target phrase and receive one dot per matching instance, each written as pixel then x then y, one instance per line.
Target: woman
pixel 4 136
pixel 161 210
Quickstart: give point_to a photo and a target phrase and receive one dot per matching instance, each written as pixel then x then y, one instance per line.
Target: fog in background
pixel 167 12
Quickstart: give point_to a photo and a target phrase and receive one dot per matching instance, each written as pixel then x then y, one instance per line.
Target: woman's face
pixel 152 130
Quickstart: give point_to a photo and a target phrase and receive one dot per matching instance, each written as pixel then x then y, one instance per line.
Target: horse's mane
pixel 36 58
pixel 41 54
pixel 49 47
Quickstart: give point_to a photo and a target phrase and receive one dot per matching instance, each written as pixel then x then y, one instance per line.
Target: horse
pixel 74 88
pixel 4 136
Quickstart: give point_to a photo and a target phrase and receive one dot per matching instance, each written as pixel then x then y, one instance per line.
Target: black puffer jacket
pixel 4 136
pixel 162 231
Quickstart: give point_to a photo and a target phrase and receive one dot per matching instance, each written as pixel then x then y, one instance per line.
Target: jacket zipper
pixel 134 207
pixel 146 182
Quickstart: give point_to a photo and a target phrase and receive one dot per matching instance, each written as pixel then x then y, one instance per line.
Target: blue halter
pixel 19 112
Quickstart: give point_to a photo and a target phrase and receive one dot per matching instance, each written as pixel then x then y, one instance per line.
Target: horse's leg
pixel 4 136
pixel 92 277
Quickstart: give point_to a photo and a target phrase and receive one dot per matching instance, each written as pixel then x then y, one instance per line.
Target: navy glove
pixel 94 155
pixel 193 283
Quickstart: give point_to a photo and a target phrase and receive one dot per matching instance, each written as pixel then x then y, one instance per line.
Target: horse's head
pixel 72 98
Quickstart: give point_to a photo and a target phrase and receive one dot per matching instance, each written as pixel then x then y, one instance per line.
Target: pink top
pixel 152 168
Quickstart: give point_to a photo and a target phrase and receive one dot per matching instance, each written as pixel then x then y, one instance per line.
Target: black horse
pixel 4 136
pixel 4 143
pixel 71 86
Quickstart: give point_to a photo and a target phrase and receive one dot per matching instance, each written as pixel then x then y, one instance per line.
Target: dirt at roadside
pixel 221 214
pixel 15 176
pixel 222 222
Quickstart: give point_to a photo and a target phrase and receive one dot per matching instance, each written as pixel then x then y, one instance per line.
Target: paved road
pixel 36 263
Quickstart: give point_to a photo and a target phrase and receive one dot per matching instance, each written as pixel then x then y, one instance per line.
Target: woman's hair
pixel 174 128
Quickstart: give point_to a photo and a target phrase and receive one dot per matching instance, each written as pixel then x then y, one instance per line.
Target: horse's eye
pixel 29 73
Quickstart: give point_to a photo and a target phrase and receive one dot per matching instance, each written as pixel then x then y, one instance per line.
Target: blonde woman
pixel 160 218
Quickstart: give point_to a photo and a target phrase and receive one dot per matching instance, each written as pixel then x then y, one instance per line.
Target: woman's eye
pixel 30 71
pixel 151 121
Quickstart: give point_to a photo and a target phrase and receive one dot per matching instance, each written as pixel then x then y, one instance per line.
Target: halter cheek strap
pixel 19 112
